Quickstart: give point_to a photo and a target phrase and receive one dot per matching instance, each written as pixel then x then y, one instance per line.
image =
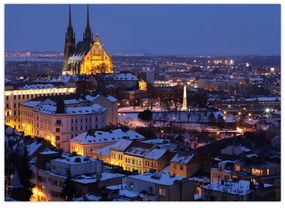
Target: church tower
pixel 69 46
pixel 88 35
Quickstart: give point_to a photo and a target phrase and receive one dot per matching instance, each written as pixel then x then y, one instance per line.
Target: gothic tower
pixel 69 46
pixel 88 35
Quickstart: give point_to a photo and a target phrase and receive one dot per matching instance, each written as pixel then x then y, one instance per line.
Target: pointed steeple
pixel 88 16
pixel 88 35
pixel 69 45
pixel 70 25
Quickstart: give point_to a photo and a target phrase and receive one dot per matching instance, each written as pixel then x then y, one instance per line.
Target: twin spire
pixel 87 35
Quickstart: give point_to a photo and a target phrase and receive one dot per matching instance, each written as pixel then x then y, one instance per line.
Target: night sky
pixel 154 29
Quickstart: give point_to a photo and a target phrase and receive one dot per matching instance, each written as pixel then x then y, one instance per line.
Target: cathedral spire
pixel 88 35
pixel 69 13
pixel 88 16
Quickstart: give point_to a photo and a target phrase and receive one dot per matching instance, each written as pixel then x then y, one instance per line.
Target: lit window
pixel 161 192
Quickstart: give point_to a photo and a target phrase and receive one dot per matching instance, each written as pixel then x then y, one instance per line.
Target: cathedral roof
pixel 82 48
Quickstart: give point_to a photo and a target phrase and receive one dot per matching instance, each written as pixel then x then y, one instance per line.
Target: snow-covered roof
pixel 137 151
pixel 95 108
pixel 157 178
pixel 77 57
pixel 85 179
pixel 33 147
pixel 73 160
pixel 92 98
pixel 124 76
pixel 181 158
pixel 31 103
pixel 106 136
pixel 121 145
pixel 234 150
pixel 111 98
pixel 48 152
pixel 36 86
pixel 155 154
pixel 128 193
pixel 240 187
pixel 104 150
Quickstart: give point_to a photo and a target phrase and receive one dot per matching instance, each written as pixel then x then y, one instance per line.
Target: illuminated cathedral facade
pixel 88 56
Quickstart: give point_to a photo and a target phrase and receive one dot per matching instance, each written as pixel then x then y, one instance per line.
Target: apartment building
pixel 15 94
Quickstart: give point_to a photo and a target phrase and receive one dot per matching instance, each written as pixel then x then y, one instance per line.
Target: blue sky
pixel 157 29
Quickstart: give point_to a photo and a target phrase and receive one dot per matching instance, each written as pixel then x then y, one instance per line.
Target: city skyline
pixel 154 29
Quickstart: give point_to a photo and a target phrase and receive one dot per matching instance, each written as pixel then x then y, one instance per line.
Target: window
pixel 19 97
pixel 28 96
pixel 150 189
pixel 57 138
pixel 161 192
pixel 181 167
pixel 57 130
pixel 7 97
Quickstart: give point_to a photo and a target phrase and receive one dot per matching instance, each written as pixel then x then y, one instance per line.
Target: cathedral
pixel 88 57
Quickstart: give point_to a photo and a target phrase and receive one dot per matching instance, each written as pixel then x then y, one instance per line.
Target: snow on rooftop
pixel 95 108
pixel 85 179
pixel 74 159
pixel 111 98
pixel 128 193
pixel 157 178
pixel 121 145
pixel 76 57
pixel 33 147
pixel 36 86
pixel 240 187
pixel 48 152
pixel 183 159
pixel 72 101
pixel 137 151
pixel 124 76
pixel 155 154
pixel 106 136
pixel 31 103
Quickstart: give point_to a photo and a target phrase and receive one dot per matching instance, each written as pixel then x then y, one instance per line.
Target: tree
pixel 68 188
pixel 146 115
pixel 26 174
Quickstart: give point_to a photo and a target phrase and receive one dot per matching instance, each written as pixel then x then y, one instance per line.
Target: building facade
pixel 58 120
pixel 15 94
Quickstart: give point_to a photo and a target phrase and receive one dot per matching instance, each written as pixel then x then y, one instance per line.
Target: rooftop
pixel 240 187
pixel 107 136
pixel 157 178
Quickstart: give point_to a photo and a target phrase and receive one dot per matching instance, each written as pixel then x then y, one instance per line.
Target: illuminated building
pixel 185 164
pixel 86 142
pixel 60 118
pixel 88 56
pixel 161 187
pixel 15 94
pixel 237 191
pixel 51 171
pixel 134 156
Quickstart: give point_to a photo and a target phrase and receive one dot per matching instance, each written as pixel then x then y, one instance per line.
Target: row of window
pixel 81 120
pixel 31 96
pixel 180 167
